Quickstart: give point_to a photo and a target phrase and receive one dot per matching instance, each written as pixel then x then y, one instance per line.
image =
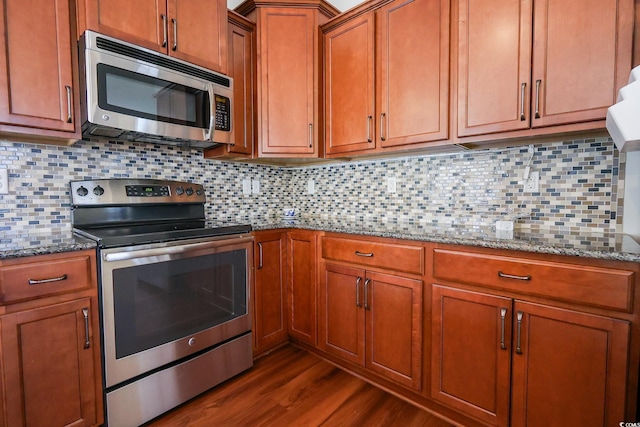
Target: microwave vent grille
pixel 162 61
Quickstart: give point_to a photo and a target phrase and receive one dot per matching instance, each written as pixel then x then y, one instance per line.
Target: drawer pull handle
pixel 366 294
pixel 503 315
pixel 358 280
pixel 53 279
pixel 512 276
pixel 367 254
pixel 85 313
pixel 519 317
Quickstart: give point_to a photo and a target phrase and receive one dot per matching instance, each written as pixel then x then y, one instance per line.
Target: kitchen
pixel 585 190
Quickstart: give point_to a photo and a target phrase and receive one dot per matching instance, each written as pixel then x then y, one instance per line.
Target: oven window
pixel 147 97
pixel 161 302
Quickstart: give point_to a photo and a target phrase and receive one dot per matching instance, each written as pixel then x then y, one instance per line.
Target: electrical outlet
pixel 4 181
pixel 531 185
pixel 246 187
pixel 311 187
pixel 391 184
pixel 255 186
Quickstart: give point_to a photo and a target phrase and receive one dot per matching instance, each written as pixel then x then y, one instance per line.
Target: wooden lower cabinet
pixel 374 320
pixel 495 359
pixel 50 348
pixel 301 286
pixel 269 293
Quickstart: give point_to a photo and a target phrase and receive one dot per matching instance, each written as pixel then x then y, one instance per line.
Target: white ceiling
pixel 341 5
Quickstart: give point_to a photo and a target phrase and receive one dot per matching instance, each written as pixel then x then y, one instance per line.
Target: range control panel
pixel 105 192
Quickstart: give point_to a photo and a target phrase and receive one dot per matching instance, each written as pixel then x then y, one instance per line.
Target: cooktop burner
pixel 126 212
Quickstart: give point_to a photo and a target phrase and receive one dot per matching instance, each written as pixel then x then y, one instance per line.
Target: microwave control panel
pixel 223 113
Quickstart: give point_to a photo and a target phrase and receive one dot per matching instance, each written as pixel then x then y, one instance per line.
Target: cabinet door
pixel 36 78
pixel 141 22
pixel 241 68
pixel 341 316
pixel 413 71
pixel 198 32
pixel 494 65
pixel 393 307
pixel 569 368
pixel 349 86
pixel 269 320
pixel 287 84
pixel 471 357
pixel 302 281
pixel 581 58
pixel 48 366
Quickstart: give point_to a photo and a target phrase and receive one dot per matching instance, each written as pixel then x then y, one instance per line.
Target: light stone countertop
pixel 595 245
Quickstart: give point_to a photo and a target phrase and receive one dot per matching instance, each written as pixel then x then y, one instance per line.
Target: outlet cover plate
pixel 4 181
pixel 532 185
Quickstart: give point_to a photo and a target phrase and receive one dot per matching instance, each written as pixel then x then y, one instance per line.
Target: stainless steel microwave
pixel 135 94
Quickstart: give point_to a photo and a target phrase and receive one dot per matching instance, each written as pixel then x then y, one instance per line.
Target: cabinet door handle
pixel 519 318
pixel 53 279
pixel 85 314
pixel 365 254
pixel 512 276
pixel 369 119
pixel 382 117
pixel 164 29
pixel 174 21
pixel 523 89
pixel 69 105
pixel 538 82
pixel 503 315
pixel 260 265
pixel 310 135
pixel 367 306
pixel 358 280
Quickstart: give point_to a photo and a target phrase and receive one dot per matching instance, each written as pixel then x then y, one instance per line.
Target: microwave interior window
pixel 147 97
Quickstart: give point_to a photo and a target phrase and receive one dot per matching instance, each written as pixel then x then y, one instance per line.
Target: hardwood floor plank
pixel 291 387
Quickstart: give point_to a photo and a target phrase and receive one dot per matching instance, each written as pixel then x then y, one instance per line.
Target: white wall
pixel 631 215
pixel 341 5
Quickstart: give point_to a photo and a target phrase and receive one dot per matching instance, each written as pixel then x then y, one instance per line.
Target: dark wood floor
pixel 291 387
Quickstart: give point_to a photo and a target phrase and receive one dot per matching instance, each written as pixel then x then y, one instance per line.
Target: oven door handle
pixel 172 250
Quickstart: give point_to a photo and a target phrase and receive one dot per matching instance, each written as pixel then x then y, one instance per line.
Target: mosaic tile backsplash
pixel 578 187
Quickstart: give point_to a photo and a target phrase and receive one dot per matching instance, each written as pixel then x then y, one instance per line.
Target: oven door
pixel 164 302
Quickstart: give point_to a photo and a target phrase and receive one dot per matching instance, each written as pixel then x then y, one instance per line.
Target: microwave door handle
pixel 208 136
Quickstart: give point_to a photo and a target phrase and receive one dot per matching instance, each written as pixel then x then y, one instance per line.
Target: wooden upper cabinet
pixel 192 30
pixel 494 65
pixel 526 64
pixel 288 70
pixel 38 90
pixel 581 58
pixel 350 86
pixel 241 67
pixel 412 71
pixel 387 77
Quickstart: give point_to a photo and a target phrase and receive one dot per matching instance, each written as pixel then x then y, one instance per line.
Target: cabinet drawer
pixel 585 284
pixel 403 258
pixel 43 275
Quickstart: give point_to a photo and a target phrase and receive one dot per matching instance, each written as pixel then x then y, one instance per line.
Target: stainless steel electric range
pixel 174 293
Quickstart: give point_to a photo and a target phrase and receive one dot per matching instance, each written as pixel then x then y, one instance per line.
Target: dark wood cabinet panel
pixel 38 90
pixel 568 367
pixel 48 368
pixel 302 281
pixel 269 296
pixel 471 356
pixel 191 30
pixel 350 86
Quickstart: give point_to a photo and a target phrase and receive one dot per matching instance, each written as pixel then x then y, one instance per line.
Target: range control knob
pixel 98 191
pixel 82 191
pixel 189 191
pixel 179 191
pixel 199 191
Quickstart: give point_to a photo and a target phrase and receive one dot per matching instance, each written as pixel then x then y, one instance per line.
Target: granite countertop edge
pixel 43 244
